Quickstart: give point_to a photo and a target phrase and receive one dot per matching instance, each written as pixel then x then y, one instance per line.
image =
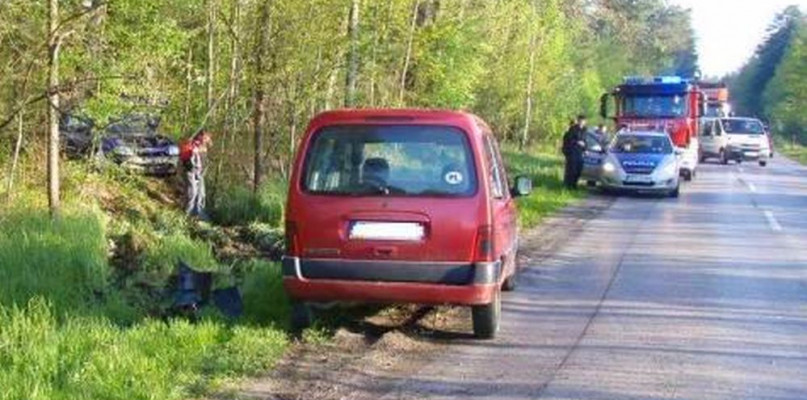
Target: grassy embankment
pixel 793 150
pixel 546 170
pixel 81 297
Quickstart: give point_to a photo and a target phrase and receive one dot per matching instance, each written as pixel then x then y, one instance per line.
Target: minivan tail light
pixel 484 244
pixel 292 239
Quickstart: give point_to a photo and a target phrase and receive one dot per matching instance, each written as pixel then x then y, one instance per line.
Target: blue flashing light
pixel 664 80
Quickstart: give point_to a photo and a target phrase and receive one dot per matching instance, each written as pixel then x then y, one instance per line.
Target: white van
pixel 738 139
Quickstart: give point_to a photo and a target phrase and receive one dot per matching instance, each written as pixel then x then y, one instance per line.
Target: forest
pixel 87 249
pixel 771 84
pixel 255 71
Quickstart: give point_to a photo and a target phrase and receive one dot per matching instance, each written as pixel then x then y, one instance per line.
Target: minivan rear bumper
pixel 390 281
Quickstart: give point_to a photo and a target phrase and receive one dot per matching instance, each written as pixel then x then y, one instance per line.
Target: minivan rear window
pixel 390 160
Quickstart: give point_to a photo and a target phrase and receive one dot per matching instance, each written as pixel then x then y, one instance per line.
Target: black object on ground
pixel 193 292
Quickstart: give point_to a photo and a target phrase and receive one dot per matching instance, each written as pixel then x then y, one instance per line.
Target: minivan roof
pixel 398 116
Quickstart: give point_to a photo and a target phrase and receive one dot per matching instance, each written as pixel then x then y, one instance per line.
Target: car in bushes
pixel 134 143
pixel 401 206
pixel 76 134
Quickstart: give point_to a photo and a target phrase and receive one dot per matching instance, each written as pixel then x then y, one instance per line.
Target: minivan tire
pixel 486 317
pixel 763 163
pixel 723 158
pixel 301 317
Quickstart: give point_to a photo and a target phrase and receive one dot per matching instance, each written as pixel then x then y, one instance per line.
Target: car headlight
pixel 123 151
pixel 173 150
pixel 609 167
pixel 671 168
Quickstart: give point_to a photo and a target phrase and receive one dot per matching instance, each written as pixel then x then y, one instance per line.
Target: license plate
pixel 406 231
pixel 751 154
pixel 638 178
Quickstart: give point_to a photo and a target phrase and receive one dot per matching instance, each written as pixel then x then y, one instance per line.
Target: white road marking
pixel 752 187
pixel 740 169
pixel 774 224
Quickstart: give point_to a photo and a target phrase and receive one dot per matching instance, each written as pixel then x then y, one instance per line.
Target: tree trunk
pixel 188 91
pixel 54 41
pixel 529 92
pixel 211 52
pixel 259 114
pixel 408 55
pixel 353 55
pixel 16 157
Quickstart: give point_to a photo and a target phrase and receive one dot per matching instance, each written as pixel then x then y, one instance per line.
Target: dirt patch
pixel 371 356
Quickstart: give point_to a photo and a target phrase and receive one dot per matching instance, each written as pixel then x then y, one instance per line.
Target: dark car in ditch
pixel 76 135
pixel 134 143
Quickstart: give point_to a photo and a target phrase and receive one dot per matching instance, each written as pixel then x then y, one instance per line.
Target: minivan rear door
pixel 389 192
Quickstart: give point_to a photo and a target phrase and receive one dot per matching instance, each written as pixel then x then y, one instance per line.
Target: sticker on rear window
pixel 453 177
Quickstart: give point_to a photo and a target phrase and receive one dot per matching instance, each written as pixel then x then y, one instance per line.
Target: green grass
pixel 238 205
pixel 70 330
pixel 549 195
pixel 794 151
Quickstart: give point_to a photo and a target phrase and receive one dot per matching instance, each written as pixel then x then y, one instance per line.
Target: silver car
pixel 646 162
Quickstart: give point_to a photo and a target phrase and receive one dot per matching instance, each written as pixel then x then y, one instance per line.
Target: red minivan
pixel 401 206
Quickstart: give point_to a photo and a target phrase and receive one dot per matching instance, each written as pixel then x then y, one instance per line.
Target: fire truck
pixel 664 103
pixel 717 96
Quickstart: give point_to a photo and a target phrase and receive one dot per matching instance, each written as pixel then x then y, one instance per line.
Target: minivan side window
pixel 497 188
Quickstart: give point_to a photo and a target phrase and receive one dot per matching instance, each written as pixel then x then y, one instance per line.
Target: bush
pixel 238 205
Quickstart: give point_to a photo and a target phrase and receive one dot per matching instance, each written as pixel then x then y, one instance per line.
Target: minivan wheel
pixel 486 317
pixel 723 158
pixel 301 317
pixel 763 163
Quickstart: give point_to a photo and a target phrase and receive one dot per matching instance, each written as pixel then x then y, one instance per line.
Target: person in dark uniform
pixel 573 147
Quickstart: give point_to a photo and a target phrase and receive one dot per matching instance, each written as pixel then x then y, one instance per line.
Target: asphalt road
pixel 701 297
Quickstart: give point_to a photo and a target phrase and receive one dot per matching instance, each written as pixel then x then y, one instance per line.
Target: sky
pixel 728 31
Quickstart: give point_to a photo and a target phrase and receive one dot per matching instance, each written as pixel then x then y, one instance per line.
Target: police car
pixel 645 162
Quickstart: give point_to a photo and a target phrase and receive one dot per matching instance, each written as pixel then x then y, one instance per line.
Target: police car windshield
pixel 655 106
pixel 642 144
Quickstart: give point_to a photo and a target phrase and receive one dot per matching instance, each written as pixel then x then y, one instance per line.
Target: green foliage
pixel 786 93
pixel 238 205
pixel 62 333
pixel 549 195
pixel 63 260
pixel 755 78
pixel 265 301
pixel 90 358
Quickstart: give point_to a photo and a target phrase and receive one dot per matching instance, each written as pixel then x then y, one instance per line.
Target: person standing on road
pixel 573 147
pixel 194 156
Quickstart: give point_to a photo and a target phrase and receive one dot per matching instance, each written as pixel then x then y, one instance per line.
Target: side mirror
pixel 679 151
pixel 521 187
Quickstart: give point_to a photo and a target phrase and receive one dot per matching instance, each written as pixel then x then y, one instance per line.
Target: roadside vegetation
pixel 772 85
pixel 86 268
